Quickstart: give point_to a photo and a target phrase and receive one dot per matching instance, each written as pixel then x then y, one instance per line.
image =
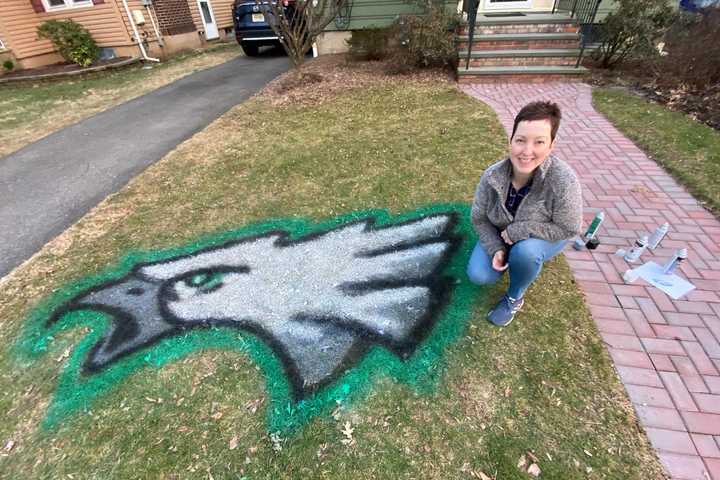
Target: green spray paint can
pixel 590 232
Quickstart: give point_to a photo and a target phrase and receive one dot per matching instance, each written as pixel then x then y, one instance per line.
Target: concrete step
pixel 531 74
pixel 527 18
pixel 507 58
pixel 520 41
pixel 506 28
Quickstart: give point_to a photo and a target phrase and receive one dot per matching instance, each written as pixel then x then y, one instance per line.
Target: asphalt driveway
pixel 48 185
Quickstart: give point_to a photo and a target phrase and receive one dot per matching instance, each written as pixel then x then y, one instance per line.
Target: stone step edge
pixel 565 52
pixel 499 37
pixel 526 20
pixel 514 70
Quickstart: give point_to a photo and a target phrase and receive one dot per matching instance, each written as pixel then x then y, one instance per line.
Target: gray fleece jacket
pixel 551 211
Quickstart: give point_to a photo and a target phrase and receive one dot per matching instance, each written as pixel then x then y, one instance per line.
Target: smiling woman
pixel 526 207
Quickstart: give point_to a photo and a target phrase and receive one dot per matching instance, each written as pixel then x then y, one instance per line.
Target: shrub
pixel 426 41
pixel 693 51
pixel 369 44
pixel 8 65
pixel 633 29
pixel 72 41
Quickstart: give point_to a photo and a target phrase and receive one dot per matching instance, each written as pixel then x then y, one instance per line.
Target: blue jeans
pixel 525 262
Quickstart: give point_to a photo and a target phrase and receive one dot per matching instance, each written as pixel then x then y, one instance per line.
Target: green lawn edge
pixel 689 150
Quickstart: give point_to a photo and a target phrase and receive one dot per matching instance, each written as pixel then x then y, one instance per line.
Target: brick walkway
pixel 666 352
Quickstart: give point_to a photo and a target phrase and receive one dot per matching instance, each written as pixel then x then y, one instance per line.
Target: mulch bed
pixel 60 68
pixel 701 105
pixel 323 78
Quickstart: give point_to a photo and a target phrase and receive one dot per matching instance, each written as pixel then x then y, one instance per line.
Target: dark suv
pixel 251 29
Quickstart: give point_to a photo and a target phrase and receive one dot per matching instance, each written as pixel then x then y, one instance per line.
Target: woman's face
pixel 530 146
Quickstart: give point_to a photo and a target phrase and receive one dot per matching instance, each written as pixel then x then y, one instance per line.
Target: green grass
pixel 689 150
pixel 544 384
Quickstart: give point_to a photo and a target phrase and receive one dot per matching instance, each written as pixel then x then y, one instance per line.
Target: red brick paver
pixel 666 352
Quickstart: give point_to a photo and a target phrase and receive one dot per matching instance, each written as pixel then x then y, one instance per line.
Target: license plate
pixel 258 17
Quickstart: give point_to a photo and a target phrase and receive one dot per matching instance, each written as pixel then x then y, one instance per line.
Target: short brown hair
pixel 539 111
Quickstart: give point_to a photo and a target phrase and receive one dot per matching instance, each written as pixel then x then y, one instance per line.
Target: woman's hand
pixel 498 261
pixel 506 238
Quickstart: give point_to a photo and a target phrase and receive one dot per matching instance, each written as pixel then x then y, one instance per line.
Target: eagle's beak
pixel 134 306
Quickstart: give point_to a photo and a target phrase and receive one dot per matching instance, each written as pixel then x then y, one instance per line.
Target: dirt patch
pixel 702 105
pixel 325 77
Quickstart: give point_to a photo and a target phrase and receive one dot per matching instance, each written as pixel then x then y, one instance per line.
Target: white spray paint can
pixel 677 258
pixel 634 254
pixel 658 235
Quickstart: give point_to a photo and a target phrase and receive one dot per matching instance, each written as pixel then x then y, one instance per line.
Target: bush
pixel 369 44
pixel 693 50
pixel 633 29
pixel 72 41
pixel 8 65
pixel 426 41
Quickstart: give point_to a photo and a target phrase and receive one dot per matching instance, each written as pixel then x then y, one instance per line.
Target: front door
pixel 507 4
pixel 206 13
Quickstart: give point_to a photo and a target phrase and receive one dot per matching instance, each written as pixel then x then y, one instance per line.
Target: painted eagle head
pixel 320 301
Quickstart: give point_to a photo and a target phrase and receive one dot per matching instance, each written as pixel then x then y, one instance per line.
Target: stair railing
pixel 472 8
pixel 584 11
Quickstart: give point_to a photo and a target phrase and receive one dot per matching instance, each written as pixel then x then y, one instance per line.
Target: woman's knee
pixel 481 276
pixel 527 252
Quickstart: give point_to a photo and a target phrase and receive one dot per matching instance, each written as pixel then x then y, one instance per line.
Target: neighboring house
pixel 163 26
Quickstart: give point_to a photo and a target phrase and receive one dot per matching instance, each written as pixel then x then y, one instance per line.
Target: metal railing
pixel 584 11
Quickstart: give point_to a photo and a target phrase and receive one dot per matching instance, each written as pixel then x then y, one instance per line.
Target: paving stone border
pixel 29 78
pixel 666 352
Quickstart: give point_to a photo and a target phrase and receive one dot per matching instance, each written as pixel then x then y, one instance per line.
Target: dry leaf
pixel 533 457
pixel 484 477
pixel 348 432
pixel 534 470
pixel 217 415
pixel 232 445
pixel 587 453
pixel 9 445
pixel 508 391
pixel 522 463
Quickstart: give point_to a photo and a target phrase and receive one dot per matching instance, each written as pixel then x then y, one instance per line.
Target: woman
pixel 525 209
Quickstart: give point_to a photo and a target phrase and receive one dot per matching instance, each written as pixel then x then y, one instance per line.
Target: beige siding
pixel 20 22
pixel 147 28
pixel 222 9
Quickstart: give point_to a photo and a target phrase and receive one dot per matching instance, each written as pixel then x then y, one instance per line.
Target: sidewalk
pixel 666 352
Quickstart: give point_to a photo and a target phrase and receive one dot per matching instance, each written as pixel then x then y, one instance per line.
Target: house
pixel 134 28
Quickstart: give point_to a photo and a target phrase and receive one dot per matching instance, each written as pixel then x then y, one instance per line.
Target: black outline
pixel 440 288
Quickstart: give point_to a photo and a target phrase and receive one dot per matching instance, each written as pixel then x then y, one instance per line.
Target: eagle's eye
pixel 205 281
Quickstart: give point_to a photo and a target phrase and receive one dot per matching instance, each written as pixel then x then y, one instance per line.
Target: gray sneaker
pixel 505 310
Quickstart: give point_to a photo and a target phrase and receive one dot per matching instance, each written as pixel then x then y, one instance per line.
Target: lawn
pixel 542 388
pixel 689 150
pixel 32 110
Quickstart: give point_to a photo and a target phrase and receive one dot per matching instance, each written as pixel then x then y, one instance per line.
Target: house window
pixel 52 5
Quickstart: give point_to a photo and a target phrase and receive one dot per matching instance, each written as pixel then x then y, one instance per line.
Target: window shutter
pixel 98 2
pixel 37 6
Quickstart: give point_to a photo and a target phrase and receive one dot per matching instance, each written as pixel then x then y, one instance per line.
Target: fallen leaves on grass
pixel 232 445
pixel 347 431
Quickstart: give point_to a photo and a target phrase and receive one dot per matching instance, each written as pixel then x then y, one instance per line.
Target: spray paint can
pixel 590 232
pixel 658 235
pixel 634 254
pixel 677 258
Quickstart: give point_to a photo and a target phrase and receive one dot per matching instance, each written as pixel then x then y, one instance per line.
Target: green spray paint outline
pixel 422 370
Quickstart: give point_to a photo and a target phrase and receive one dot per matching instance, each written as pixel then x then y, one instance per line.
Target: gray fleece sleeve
pixel 487 232
pixel 566 214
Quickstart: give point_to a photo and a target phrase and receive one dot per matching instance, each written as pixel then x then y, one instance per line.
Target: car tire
pixel 250 49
